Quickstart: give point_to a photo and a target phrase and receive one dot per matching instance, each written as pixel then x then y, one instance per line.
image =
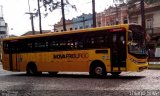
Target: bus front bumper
pixel 142 68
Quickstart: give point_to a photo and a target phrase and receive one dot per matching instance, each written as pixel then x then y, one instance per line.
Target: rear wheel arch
pixel 31 64
pixel 97 62
pixel 31 68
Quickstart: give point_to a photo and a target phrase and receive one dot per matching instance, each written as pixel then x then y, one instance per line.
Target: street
pixel 71 84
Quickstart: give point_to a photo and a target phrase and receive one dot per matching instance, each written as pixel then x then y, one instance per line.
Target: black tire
pixel 116 74
pixel 52 73
pixel 98 71
pixel 32 70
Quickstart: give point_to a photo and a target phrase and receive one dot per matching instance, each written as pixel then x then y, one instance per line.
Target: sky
pixel 19 22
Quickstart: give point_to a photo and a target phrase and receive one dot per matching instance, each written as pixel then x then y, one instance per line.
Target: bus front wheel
pixel 98 71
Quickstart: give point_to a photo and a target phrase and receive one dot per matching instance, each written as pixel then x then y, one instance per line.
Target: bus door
pixel 13 56
pixel 10 56
pixel 118 51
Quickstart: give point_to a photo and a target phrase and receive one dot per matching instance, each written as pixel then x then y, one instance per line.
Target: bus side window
pixel 40 45
pixel 80 44
pixel 88 42
pixel 63 45
pixel 51 45
pixel 29 46
pixel 92 42
pixel 99 41
pixel 6 47
pixel 54 45
pixel 114 38
pixel 122 39
pixel 13 47
pixel 70 44
pixel 75 44
pixel 106 41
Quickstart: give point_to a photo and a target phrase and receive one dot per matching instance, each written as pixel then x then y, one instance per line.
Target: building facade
pixel 112 16
pixel 83 21
pixel 3 25
pixel 3 28
pixel 118 15
pixel 59 26
pixel 152 14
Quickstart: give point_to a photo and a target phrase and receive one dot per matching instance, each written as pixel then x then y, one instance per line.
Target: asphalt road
pixel 146 83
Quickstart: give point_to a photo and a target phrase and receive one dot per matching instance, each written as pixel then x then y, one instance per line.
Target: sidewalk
pixel 154 65
pixel 154 62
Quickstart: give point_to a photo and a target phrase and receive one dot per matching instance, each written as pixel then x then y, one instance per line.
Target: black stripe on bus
pixel 101 51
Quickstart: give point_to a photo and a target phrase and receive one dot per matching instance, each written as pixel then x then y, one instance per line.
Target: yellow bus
pixel 102 50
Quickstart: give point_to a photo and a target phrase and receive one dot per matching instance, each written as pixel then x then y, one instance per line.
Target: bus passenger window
pixel 92 40
pixel 80 44
pixel 106 41
pixel 114 38
pixel 122 39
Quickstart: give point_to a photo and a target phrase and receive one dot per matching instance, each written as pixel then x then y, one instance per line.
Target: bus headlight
pixel 134 61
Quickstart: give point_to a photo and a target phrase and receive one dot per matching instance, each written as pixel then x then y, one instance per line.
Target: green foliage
pixel 54 4
pixel 130 2
pixel 119 1
pixel 152 1
pixel 51 5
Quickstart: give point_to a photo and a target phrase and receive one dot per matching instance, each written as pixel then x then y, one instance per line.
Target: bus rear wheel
pixel 98 71
pixel 32 70
pixel 52 73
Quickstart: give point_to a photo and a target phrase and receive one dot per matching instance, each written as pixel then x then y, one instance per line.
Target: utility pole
pixel 31 17
pixel 63 16
pixel 94 13
pixel 143 16
pixel 117 19
pixel 32 22
pixel 39 13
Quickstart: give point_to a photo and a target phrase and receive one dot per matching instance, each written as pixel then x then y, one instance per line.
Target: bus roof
pixel 67 32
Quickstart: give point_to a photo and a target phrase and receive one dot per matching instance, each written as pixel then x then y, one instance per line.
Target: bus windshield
pixel 137 48
pixel 137 43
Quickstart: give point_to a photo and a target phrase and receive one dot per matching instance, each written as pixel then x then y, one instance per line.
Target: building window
pixel 71 29
pixel 125 21
pixel 87 26
pixel 149 23
pixel 99 24
pixel 91 25
pixel 81 27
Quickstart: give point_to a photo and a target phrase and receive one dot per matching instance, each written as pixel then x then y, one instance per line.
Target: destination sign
pixel 67 56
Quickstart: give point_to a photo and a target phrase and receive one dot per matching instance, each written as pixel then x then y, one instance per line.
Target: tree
pixel 128 2
pixel 39 13
pixel 51 5
pixel 94 13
